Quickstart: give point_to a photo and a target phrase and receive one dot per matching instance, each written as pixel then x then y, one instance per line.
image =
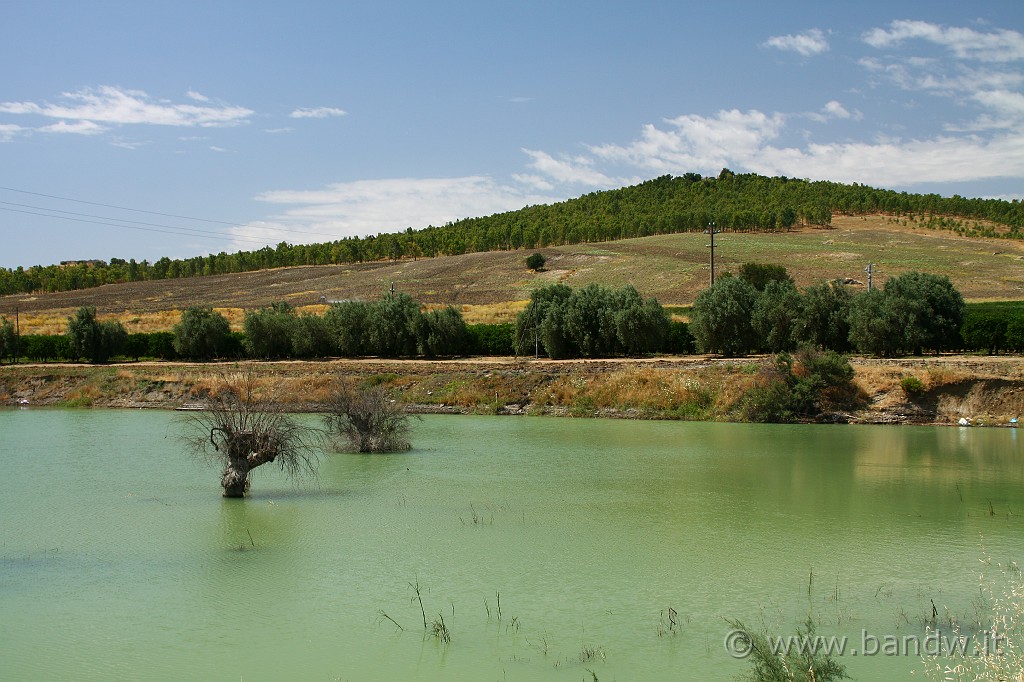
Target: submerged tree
pixel 244 427
pixel 367 419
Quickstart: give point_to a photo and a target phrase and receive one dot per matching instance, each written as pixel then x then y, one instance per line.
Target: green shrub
pixel 912 386
pixel 490 339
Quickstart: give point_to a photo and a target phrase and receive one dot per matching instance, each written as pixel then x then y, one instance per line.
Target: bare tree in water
pixel 244 426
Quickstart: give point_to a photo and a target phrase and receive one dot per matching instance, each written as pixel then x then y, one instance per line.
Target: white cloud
pixel 695 141
pixel 1001 45
pixel 808 43
pixel 115 106
pixel 746 141
pixel 9 131
pixel 278 131
pixel 372 206
pixel 835 109
pixel 577 171
pixel 219 150
pixel 319 112
pixel 76 128
pixel 192 94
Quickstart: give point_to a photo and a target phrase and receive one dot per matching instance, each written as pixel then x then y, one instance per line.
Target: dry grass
pixel 492 286
pixel 493 313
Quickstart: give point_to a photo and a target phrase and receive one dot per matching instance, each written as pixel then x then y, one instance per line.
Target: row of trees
pixel 664 205
pixel 594 321
pixel 761 310
pixel 758 310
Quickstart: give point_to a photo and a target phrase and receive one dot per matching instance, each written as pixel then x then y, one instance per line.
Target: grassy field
pixel 491 287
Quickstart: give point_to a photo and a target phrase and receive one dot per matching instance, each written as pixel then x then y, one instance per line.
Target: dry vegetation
pixel 492 287
pixel 989 390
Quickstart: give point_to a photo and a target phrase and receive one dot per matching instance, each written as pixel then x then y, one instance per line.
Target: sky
pixel 149 129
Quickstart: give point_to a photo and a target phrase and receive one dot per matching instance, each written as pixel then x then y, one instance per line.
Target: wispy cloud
pixel 9 131
pixel 982 71
pixel 387 205
pixel 319 112
pixel 111 106
pixel 76 128
pixel 1001 45
pixel 808 43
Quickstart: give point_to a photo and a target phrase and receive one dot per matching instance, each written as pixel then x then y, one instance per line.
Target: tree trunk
pixel 235 480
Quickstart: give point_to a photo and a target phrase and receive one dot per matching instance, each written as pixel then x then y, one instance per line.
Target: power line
pixel 120 208
pixel 118 220
pixel 133 227
pixel 158 213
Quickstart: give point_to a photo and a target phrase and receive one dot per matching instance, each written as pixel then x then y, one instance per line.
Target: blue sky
pixel 230 125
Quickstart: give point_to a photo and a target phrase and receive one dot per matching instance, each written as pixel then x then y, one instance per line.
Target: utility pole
pixel 712 231
pixel 870 272
pixel 17 334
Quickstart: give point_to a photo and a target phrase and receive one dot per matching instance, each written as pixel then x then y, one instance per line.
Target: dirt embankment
pixel 988 391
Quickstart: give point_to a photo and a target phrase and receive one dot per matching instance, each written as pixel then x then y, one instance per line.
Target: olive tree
pixel 391 326
pixel 442 332
pixel 244 426
pixel 346 323
pixel 8 340
pixel 268 331
pixel 94 340
pixel 201 333
pixel 775 315
pixel 721 317
pixel 823 320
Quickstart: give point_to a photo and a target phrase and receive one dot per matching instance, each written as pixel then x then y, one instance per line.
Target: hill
pixel 665 205
pixel 488 285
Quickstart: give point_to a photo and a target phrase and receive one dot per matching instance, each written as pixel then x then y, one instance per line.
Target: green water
pixel 120 560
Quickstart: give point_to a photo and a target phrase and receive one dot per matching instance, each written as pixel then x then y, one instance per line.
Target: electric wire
pixel 157 213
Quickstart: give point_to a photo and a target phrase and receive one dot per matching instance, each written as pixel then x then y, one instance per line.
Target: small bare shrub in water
pixel 367 420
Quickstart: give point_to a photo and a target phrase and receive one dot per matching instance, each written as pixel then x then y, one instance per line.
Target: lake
pixel 553 549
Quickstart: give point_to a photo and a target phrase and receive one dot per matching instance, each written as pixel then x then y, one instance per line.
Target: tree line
pixel 664 205
pixel 758 310
pixel 761 310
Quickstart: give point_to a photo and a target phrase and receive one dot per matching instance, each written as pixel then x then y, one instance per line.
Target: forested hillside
pixel 664 205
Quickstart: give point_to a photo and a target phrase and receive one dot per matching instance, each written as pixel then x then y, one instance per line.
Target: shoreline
pixel 988 390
